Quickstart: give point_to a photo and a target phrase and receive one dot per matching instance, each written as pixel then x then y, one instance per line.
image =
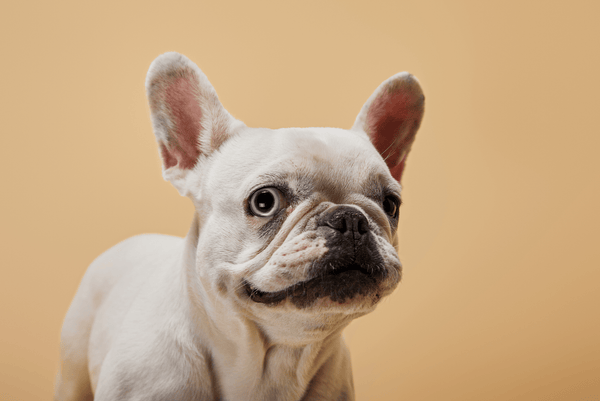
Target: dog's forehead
pixel 328 157
pixel 323 146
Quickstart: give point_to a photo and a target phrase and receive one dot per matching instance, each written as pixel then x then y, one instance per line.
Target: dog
pixel 294 235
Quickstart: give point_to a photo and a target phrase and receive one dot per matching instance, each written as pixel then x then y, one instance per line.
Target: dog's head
pixel 297 221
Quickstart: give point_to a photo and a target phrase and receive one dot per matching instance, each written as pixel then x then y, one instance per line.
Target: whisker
pixel 388 148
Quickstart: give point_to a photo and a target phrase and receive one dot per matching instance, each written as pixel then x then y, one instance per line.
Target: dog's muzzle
pixel 351 267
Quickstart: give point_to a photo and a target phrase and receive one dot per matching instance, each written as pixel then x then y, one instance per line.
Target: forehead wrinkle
pixel 282 171
pixel 348 178
pixel 325 168
pixel 253 183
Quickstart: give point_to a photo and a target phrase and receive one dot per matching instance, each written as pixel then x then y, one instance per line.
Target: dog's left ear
pixel 391 118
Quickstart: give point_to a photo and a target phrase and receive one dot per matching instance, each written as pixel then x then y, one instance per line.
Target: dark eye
pixel 265 202
pixel 391 204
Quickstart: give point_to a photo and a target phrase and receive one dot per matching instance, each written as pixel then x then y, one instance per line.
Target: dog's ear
pixel 391 118
pixel 188 120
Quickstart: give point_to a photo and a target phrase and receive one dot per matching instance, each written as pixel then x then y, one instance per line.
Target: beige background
pixel 500 224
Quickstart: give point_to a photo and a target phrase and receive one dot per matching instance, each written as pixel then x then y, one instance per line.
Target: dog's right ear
pixel 188 120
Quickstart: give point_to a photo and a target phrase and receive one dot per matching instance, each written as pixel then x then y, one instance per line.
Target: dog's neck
pixel 247 363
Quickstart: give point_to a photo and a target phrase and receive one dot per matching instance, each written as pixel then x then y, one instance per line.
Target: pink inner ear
pixel 392 123
pixel 398 169
pixel 169 160
pixel 185 112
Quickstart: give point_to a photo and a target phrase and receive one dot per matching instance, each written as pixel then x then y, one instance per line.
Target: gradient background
pixel 499 228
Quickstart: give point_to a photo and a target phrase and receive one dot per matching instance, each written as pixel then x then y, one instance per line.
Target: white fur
pixel 164 318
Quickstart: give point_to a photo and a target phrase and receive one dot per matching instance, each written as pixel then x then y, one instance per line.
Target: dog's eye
pixel 391 205
pixel 265 202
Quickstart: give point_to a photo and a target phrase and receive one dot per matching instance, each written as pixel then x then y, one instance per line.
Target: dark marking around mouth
pixel 340 285
pixel 351 267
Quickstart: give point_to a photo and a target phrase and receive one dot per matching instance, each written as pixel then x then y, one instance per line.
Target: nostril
pixel 343 225
pixel 346 220
pixel 338 222
pixel 363 225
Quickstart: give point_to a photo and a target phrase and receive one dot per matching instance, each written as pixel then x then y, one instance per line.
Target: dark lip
pixel 339 284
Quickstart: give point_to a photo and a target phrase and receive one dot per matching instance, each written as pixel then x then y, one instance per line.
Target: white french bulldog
pixel 294 236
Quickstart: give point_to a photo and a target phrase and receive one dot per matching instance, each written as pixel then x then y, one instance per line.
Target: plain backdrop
pixel 499 230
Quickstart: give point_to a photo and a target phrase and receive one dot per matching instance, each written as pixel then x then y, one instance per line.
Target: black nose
pixel 346 220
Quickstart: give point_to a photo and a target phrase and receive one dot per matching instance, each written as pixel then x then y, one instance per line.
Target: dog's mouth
pixel 339 284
